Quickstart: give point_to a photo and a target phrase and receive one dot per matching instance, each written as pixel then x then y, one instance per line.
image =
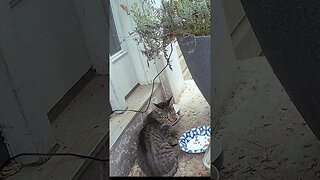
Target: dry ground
pixel 262 133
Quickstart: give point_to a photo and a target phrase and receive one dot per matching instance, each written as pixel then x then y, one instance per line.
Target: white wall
pixel 224 63
pixel 45 49
pixel 12 121
pixel 22 112
pixel 244 40
pixel 173 81
pixel 129 66
pixel 93 18
pixel 51 39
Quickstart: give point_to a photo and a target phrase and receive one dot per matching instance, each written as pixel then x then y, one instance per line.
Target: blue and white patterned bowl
pixel 192 133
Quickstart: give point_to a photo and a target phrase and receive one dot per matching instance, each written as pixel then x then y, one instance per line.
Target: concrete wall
pixel 244 40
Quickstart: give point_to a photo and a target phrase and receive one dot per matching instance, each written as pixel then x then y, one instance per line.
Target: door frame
pixel 145 74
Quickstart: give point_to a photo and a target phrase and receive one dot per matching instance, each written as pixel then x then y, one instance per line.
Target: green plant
pixel 158 27
pixel 187 16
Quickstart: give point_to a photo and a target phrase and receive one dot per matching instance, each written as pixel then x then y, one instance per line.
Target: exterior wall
pixel 12 119
pixel 234 13
pixel 45 48
pixel 23 117
pixel 128 67
pixel 244 40
pixel 224 64
pixel 132 63
pixel 93 19
pixel 172 80
pixel 53 45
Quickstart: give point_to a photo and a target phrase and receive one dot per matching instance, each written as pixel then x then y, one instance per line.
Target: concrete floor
pixel 82 128
pixel 262 133
pixel 191 116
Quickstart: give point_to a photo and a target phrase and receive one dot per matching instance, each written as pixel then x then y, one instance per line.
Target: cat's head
pixel 164 113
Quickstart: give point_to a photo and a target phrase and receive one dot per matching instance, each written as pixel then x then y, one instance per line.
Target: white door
pixel 128 67
pixel 123 77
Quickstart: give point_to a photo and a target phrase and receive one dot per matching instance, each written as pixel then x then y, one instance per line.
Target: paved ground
pixel 262 133
pixel 195 111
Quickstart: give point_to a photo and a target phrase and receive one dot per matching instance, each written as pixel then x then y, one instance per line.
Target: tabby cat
pixel 156 141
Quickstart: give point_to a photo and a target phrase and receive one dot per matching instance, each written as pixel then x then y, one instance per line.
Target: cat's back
pixel 157 157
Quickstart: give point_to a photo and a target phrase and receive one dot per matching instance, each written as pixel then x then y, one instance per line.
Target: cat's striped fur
pixel 156 141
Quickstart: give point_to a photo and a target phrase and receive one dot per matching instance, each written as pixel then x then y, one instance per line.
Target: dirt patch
pixel 195 111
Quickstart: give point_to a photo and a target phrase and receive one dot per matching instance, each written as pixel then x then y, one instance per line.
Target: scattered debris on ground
pixel 264 136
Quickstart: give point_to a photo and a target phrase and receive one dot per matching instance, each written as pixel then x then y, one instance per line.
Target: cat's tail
pixel 167 161
pixel 141 151
pixel 173 171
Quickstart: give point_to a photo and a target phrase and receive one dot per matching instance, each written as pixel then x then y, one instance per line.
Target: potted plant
pixel 291 46
pixel 185 21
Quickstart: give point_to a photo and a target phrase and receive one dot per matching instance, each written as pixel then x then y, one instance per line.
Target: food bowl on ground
pixel 195 140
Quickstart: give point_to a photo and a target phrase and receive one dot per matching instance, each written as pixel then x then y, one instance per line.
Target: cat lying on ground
pixel 156 140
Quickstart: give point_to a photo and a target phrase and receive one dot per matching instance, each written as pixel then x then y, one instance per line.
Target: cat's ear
pixel 158 109
pixel 169 100
pixel 157 105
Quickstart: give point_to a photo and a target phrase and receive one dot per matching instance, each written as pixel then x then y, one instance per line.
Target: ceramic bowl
pixel 195 140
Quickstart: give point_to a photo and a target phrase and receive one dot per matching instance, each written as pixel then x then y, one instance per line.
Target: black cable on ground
pixel 11 167
pixel 58 154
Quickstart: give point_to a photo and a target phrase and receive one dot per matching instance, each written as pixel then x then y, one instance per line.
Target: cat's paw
pixel 174 133
pixel 173 141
